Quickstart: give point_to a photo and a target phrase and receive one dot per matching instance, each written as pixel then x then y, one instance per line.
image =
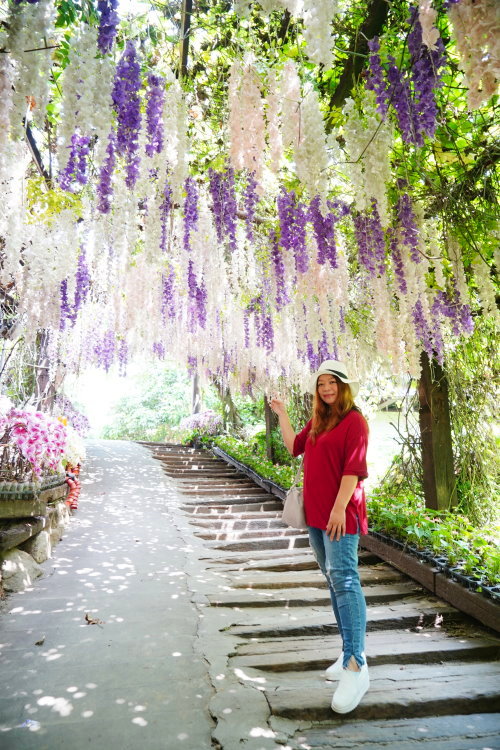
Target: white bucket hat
pixel 333 367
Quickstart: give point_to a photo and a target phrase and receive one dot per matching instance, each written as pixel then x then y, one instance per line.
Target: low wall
pixel 31 523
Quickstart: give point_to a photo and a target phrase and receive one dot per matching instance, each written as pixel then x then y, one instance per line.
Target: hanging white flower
pixel 311 158
pixel 318 16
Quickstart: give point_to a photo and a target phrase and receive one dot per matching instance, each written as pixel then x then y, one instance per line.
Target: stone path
pixel 434 672
pixel 135 678
pixel 178 612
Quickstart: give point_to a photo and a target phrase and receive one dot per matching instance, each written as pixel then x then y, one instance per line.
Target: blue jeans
pixel 338 561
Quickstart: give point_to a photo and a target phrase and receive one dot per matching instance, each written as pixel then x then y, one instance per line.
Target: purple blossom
pixel 65 308
pixel 192 365
pixel 224 207
pixel 293 219
pixel 108 21
pixel 104 350
pixel 104 188
pixel 282 297
pixel 167 295
pixel 250 200
pixel 425 67
pixel 127 104
pixel 324 232
pixel 400 98
pixel 397 260
pixel 246 327
pixel 159 349
pixel 409 229
pixel 422 328
pixel 76 168
pixel 154 112
pixel 267 332
pixel 82 286
pixel 376 80
pixel 190 211
pixel 371 241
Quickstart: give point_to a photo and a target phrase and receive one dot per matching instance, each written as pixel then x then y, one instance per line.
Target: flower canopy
pixel 252 236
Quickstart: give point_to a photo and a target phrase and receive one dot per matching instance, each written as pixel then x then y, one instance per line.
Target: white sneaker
pixel 350 690
pixel 334 671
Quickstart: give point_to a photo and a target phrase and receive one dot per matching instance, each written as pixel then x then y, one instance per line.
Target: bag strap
pixel 297 475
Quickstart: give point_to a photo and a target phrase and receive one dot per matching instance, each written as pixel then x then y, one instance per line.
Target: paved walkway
pixel 135 678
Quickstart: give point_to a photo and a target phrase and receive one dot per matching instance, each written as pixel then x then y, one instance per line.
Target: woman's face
pixel 328 389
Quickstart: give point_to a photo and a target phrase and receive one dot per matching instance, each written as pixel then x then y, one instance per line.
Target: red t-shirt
pixel 339 452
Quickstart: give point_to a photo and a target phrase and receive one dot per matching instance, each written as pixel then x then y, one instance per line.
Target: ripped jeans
pixel 338 561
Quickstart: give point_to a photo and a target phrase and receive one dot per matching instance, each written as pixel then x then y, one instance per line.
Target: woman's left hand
pixel 336 523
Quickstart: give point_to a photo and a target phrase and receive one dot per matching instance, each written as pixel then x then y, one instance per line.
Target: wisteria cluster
pixel 190 211
pixel 75 175
pixel 370 238
pixel 78 421
pixel 108 21
pixel 408 225
pixel 293 218
pixel 324 232
pixel 104 186
pixel 165 208
pixel 127 104
pixel 205 422
pixel 250 200
pixel 224 207
pixel 282 297
pixel 412 97
pixel 154 112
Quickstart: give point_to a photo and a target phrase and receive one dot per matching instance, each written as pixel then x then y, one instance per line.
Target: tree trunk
pixel 271 422
pixel 196 399
pixel 230 416
pixel 46 389
pixel 435 431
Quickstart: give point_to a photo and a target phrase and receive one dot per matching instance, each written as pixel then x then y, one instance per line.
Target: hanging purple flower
pixel 127 104
pixel 104 188
pixel 201 304
pixel 167 297
pixel 65 308
pixel 342 324
pixel 362 239
pixel 324 232
pixel 192 365
pixel 400 97
pixel 408 223
pixel 377 239
pixel 76 168
pixel 282 297
pixel 422 328
pixel 82 286
pixel 154 112
pixel 395 253
pixel 224 207
pixel 250 200
pixel 104 350
pixel 293 219
pixel 190 211
pixel 159 349
pixel 246 327
pixel 425 75
pixel 108 21
pixel 376 80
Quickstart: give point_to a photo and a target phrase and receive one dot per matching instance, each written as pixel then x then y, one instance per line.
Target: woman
pixel 334 444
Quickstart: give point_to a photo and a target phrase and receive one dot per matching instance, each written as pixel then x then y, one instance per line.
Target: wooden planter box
pixel 476 605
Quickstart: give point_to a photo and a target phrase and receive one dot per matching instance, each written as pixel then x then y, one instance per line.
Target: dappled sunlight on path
pixel 102 649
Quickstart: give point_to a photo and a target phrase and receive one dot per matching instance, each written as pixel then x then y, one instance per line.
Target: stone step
pixel 311 578
pixel 309 597
pixel 236 492
pixel 420 614
pixel 238 503
pixel 215 508
pixel 286 543
pixel 303 654
pixel 239 524
pixel 223 536
pixel 456 732
pixel 416 690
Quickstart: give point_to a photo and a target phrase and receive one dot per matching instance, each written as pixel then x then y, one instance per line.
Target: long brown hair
pixel 324 416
